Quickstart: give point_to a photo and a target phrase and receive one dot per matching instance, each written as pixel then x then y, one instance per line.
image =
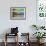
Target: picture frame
pixel 41 8
pixel 17 13
pixel 41 12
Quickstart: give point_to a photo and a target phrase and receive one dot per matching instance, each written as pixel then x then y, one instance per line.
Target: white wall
pixel 24 25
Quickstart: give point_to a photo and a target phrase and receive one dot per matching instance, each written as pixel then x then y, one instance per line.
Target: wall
pixel 24 25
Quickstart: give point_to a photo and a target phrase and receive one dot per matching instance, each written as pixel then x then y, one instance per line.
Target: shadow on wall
pixel 7 30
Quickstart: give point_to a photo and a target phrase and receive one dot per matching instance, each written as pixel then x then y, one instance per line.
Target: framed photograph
pixel 17 13
pixel 41 8
pixel 41 12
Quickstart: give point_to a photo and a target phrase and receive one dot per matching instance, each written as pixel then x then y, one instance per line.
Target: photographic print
pixel 17 13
